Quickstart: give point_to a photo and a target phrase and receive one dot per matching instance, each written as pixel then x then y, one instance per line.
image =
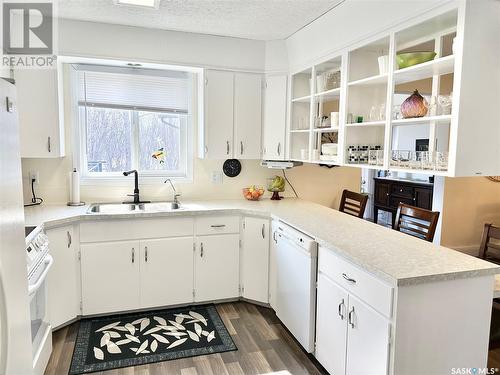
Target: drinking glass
pixel 415 160
pixel 426 159
pixel 445 104
pixel 374 114
pixel 372 157
pixel 381 112
pixel 396 112
pixel 433 106
pixel 404 158
pixel 395 158
pixel 441 161
pixel 380 157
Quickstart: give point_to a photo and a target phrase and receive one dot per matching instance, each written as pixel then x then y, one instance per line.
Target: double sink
pixel 120 208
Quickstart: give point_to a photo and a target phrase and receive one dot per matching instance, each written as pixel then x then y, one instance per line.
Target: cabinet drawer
pixel 217 225
pixel 402 190
pixel 133 229
pixel 395 201
pixel 356 281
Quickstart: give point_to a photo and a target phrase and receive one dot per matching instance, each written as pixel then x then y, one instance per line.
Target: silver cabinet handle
pixel 227 147
pixel 348 278
pixel 350 317
pixel 279 149
pixel 274 237
pixel 133 255
pixel 341 309
pixel 241 147
pixel 201 250
pixel 146 254
pixel 263 230
pixel 49 148
pixel 69 239
pixel 218 225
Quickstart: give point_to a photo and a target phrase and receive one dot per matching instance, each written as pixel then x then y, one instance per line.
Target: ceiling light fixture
pixel 139 3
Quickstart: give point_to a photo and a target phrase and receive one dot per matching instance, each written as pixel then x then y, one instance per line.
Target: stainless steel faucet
pixel 175 204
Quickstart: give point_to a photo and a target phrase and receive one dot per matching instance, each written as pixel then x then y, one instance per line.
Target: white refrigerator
pixel 15 330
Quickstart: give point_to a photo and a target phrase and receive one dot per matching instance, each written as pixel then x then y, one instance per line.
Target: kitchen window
pixel 134 118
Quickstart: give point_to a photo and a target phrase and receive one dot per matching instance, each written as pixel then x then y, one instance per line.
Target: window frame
pixel 185 174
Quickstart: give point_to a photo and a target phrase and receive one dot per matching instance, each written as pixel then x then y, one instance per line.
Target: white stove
pixel 38 262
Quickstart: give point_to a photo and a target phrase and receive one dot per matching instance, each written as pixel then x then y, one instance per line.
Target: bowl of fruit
pixel 253 193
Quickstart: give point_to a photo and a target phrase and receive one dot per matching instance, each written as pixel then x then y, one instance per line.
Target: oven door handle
pixel 48 263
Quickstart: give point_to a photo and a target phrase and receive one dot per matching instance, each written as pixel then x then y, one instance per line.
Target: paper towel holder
pixel 75 204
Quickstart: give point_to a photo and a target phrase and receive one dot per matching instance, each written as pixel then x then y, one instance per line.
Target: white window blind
pixel 142 89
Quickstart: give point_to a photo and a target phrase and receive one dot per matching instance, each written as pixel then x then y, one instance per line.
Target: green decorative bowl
pixel 405 60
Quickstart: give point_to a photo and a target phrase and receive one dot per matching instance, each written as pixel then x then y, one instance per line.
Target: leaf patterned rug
pixel 110 342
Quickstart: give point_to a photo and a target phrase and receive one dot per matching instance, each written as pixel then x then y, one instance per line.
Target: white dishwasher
pixel 296 260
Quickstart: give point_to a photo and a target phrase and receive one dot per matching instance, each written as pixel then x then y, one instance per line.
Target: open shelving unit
pixel 364 87
pixel 316 93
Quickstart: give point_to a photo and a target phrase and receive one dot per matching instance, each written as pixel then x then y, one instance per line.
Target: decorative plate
pixel 231 167
pixel 494 178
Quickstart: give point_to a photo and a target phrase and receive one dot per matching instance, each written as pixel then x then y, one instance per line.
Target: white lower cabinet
pixel 128 275
pixel 166 271
pixel 331 325
pixel 255 259
pixel 110 276
pixel 273 267
pixel 217 267
pixel 367 340
pixel 352 338
pixel 63 278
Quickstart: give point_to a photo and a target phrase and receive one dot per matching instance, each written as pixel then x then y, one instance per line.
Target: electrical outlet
pixel 216 177
pixel 34 175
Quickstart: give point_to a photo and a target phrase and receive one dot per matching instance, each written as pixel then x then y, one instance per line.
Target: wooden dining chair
pixel 490 244
pixel 416 221
pixel 353 203
pixel 490 250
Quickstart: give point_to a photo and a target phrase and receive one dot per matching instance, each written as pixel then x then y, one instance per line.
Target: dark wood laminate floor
pixel 494 358
pixel 264 346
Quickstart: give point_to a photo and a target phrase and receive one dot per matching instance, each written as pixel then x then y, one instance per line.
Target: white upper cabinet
pixel 247 116
pixel 275 99
pixel 219 115
pixel 41 131
pixel 255 262
pixel 233 116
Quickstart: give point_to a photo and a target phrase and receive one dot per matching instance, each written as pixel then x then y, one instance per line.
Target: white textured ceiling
pixel 251 19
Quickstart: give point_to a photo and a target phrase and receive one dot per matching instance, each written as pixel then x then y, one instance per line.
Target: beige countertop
pixel 392 256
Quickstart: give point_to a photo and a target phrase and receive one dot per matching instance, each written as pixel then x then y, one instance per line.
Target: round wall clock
pixel 494 178
pixel 231 167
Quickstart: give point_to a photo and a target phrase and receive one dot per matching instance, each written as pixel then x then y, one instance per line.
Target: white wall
pixel 349 23
pixel 276 56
